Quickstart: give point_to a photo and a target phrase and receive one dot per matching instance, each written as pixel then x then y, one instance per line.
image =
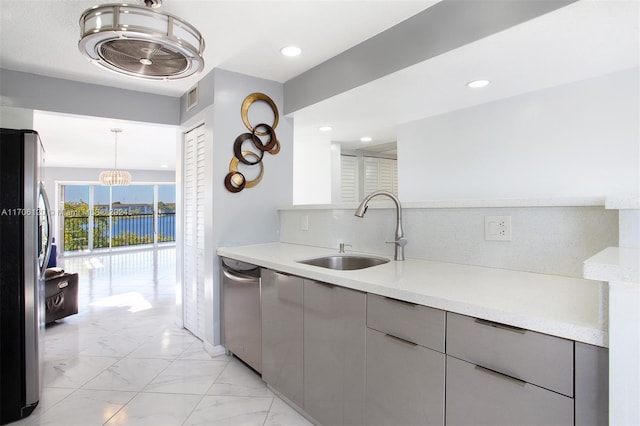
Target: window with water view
pixel 98 217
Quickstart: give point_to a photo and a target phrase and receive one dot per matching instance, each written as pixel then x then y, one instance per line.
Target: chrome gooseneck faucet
pixel 400 240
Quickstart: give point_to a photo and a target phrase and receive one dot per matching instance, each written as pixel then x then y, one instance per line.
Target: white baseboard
pixel 214 350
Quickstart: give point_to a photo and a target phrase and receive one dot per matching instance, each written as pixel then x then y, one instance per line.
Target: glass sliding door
pixel 101 217
pixel 166 210
pixel 76 217
pixel 132 215
pixel 101 221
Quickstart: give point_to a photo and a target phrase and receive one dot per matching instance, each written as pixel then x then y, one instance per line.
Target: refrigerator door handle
pixel 47 211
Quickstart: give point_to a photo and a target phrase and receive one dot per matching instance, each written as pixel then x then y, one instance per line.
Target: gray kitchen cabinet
pixel 498 374
pixel 282 342
pixel 405 382
pixel 477 396
pixel 419 324
pixel 592 385
pixel 334 354
pixel 350 358
pixel 536 358
pixel 405 363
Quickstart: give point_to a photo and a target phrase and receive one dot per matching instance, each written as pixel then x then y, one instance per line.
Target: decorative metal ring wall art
pixel 235 181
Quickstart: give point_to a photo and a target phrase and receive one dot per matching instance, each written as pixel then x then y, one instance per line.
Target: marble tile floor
pixel 122 360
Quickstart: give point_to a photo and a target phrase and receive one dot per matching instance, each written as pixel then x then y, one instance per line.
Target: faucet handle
pixel 342 246
pixel 402 241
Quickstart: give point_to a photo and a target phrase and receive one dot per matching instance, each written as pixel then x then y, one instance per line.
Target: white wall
pixel 311 168
pixel 579 139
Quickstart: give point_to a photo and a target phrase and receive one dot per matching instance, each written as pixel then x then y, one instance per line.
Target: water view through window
pixel 98 217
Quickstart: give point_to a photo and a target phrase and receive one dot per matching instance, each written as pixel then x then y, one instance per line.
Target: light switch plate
pixel 497 228
pixel 304 223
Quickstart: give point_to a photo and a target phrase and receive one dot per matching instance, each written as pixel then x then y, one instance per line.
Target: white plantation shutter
pixel 370 175
pixel 388 175
pixel 193 269
pixel 348 178
pixel 380 174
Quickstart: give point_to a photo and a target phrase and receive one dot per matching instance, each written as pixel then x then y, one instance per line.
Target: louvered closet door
pixel 193 267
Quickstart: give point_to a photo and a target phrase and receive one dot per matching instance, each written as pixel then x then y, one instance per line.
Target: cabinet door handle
pixel 325 284
pixel 235 278
pixel 500 326
pixel 501 376
pixel 404 302
pixel 401 340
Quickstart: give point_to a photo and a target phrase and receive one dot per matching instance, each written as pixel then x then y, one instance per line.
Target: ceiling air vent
pixel 192 97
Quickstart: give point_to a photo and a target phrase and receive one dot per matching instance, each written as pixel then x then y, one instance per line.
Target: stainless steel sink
pixel 346 262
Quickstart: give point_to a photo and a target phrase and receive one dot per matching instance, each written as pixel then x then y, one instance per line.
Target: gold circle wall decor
pixel 239 153
pixel 271 142
pixel 233 168
pixel 235 181
pixel 246 104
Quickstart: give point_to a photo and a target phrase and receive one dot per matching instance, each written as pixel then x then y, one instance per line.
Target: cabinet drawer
pixel 405 382
pixel 476 396
pixel 416 323
pixel 536 358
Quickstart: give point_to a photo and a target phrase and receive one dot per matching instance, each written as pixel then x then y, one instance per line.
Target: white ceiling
pixel 582 40
pixel 79 141
pixel 41 36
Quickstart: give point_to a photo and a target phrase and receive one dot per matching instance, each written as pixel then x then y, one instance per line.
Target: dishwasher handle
pixel 239 278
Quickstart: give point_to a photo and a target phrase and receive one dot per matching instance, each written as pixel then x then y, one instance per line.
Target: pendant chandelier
pixel 115 177
pixel 141 42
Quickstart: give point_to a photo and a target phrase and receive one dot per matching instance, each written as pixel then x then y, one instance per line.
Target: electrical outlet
pixel 497 228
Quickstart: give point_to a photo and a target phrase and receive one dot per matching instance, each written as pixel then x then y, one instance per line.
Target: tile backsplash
pixel 550 240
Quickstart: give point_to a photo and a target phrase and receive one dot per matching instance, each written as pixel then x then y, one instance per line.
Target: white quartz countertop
pixel 614 264
pixel 571 308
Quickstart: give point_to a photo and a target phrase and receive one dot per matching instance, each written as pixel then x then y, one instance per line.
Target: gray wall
pixel 31 91
pixel 206 92
pixel 250 216
pixel 430 33
pixel 16 118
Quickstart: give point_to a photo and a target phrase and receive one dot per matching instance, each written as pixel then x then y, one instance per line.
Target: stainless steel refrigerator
pixel 24 250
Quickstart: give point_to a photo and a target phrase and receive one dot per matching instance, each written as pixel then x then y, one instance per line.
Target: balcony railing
pixel 126 230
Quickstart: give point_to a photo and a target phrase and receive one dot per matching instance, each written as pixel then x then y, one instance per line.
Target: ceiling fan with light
pixel 140 41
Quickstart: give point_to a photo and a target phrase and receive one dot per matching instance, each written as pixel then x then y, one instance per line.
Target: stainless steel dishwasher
pixel 241 319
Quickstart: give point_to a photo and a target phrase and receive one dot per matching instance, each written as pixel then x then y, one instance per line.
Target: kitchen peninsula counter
pixel 567 307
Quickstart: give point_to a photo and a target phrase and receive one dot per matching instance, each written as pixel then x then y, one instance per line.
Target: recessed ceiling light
pixel 325 128
pixel 164 166
pixel 291 51
pixel 366 139
pixel 476 84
